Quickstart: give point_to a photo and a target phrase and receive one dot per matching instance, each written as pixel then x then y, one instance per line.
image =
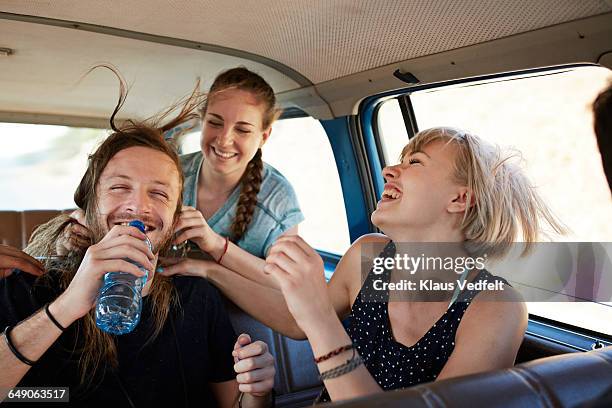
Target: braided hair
pixel 243 79
pixel 251 183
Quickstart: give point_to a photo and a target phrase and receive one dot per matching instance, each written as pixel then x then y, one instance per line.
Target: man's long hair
pixel 97 349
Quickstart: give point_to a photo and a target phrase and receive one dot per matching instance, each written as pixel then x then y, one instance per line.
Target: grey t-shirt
pixel 277 207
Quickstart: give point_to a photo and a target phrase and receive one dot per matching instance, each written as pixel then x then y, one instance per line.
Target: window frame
pixel 575 337
pixel 370 105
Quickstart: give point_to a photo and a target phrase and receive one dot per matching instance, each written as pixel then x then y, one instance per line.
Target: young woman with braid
pixel 235 206
pixel 243 199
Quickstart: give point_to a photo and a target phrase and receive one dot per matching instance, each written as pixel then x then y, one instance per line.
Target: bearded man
pixel 184 350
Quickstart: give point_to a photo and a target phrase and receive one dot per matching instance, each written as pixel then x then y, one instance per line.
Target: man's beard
pixel 160 246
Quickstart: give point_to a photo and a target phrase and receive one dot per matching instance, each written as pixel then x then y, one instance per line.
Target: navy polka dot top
pixel 392 364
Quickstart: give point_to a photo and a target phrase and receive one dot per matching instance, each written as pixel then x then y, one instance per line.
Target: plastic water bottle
pixel 119 303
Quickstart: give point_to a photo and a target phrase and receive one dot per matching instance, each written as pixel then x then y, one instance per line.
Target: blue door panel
pixel 357 214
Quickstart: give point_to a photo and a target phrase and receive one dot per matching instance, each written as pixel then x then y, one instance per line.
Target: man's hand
pixel 254 366
pixel 75 237
pixel 12 258
pixel 109 255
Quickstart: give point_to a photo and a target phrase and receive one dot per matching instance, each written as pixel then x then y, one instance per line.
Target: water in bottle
pixel 119 302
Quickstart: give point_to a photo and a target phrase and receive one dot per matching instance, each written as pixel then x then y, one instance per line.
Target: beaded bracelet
pixel 350 365
pixel 11 346
pixel 333 353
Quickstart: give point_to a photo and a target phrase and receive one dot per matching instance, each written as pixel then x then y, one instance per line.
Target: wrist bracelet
pixel 224 250
pixel 333 353
pixel 50 316
pixel 11 346
pixel 350 365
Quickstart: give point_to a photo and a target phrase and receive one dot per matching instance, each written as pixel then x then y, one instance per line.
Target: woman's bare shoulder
pixel 502 311
pixel 348 274
pixel 373 237
pixel 364 246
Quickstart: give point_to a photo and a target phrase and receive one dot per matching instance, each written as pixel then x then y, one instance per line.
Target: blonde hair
pixel 502 203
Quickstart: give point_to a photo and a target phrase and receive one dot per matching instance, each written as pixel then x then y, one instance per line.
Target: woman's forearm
pixel 326 334
pixel 264 303
pixel 247 265
pixel 243 262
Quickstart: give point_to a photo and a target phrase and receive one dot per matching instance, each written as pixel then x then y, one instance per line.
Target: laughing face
pixel 420 194
pixel 139 183
pixel 232 131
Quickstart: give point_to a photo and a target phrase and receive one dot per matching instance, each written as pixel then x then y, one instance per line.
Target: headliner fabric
pixel 322 39
pixel 46 73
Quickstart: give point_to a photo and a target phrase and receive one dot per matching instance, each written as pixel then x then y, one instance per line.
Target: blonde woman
pixel 450 187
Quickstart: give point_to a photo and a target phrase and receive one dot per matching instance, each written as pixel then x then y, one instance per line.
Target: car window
pixel 300 150
pixel 390 124
pixel 49 162
pixel 41 165
pixel 548 118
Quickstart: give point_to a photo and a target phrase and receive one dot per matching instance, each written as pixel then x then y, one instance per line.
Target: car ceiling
pixel 321 56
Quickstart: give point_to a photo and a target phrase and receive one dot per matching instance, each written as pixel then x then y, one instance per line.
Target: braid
pixel 251 183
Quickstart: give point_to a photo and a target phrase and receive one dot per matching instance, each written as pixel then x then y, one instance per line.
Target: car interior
pixel 344 65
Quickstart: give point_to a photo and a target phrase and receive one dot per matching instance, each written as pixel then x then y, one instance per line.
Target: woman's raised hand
pixel 12 258
pixel 76 236
pixel 184 266
pixel 193 226
pixel 299 271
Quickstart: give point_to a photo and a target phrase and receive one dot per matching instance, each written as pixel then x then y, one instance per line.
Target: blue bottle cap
pixel 138 224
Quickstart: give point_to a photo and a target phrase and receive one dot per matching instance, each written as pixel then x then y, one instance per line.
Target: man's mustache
pixel 99 230
pixel 130 216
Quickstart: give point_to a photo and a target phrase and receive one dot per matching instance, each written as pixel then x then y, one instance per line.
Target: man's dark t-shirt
pixel 174 368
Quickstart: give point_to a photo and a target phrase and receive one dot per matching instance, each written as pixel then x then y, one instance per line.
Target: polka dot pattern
pixel 392 364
